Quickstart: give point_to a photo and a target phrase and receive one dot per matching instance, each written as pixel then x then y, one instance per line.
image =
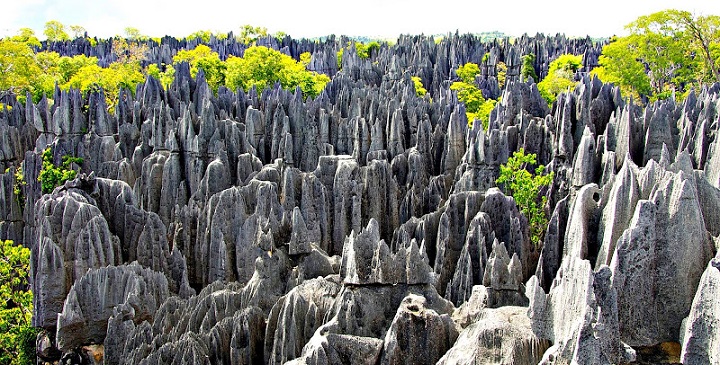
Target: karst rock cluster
pixel 365 226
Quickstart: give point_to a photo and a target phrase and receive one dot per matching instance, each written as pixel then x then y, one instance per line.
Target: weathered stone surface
pixel 473 259
pixel 701 344
pixel 679 260
pixel 334 349
pixel 367 260
pixel 618 211
pixel 585 165
pixel 417 335
pixel 582 223
pixel 295 317
pixel 553 247
pixel 503 279
pixel 500 336
pixel 84 318
pixel 632 266
pixel 579 315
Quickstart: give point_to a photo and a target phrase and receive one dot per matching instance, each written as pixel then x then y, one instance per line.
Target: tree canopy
pixel 476 106
pixel 55 31
pixel 560 77
pixel 525 188
pixel 17 336
pixel 666 52
pixel 261 67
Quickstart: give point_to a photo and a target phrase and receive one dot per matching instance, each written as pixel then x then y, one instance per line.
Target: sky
pixel 372 18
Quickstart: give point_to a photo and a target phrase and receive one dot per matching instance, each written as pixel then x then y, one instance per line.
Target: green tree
pixel 501 74
pixel 165 77
pixel 17 336
pixel 18 67
pixel 525 187
pixel 261 67
pixel 202 57
pixel 339 56
pixel 203 35
pixel 692 36
pixel 468 72
pixel 27 35
pixel 665 52
pixel 476 107
pixel 55 31
pixel 52 176
pixel 134 34
pixel 305 58
pixel 419 88
pixel 280 35
pixel 129 52
pixel 560 77
pixel 250 35
pixel 366 50
pixel 77 31
pixel 19 185
pixel 527 69
pixel 619 65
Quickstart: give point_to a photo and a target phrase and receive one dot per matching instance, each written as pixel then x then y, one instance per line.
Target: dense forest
pixel 245 197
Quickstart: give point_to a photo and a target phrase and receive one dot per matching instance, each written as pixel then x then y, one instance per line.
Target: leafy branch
pixel 525 188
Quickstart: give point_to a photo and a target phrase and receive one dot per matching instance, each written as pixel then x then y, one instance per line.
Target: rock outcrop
pixel 364 225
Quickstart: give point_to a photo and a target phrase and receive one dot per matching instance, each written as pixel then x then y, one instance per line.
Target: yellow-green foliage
pixel 202 57
pixel 18 185
pixel 501 69
pixel 203 35
pixel 38 73
pixel 262 67
pixel 340 57
pixel 305 58
pixel 525 188
pixel 619 65
pixel 476 107
pixel 419 88
pixel 667 52
pixel 55 31
pixel 560 76
pixel 366 50
pixel 19 67
pixel 27 35
pixel 17 337
pixel 527 69
pixel 134 34
pixel 165 77
pixel 52 176
pixel 250 34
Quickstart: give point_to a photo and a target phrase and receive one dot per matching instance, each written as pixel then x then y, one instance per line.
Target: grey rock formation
pixel 501 336
pixel 579 315
pixel 417 335
pixel 618 211
pixel 700 337
pixel 585 165
pixel 678 217
pixel 327 349
pixel 305 222
pixel 631 265
pixel 367 260
pixel 295 317
pixel 581 223
pixel 503 279
pixel 135 291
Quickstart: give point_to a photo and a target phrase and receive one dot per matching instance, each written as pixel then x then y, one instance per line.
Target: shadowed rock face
pixel 365 225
